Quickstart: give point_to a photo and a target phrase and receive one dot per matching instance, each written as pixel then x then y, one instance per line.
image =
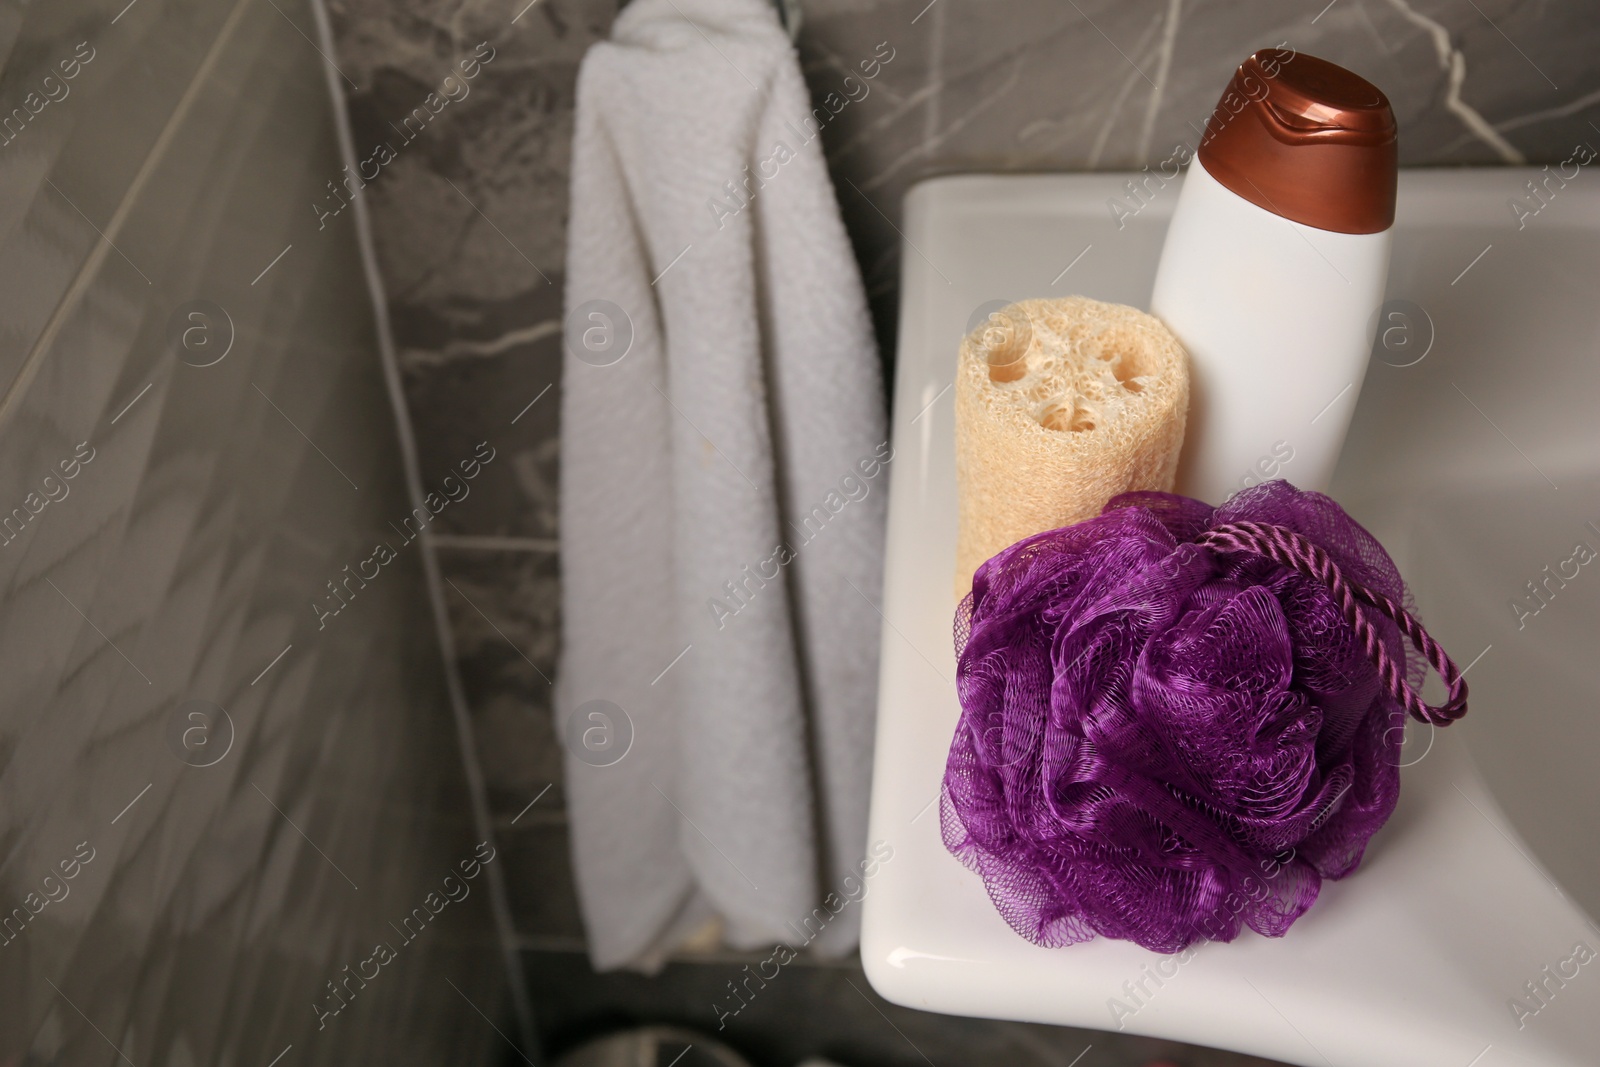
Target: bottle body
pixel 1275 316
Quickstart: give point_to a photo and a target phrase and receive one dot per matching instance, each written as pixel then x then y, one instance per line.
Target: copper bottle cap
pixel 1307 140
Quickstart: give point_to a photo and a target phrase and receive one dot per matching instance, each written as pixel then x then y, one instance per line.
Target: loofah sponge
pixel 1061 404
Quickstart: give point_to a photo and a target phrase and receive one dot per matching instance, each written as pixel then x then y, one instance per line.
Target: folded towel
pixel 722 492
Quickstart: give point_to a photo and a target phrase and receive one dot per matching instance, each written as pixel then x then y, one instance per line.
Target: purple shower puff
pixel 1160 742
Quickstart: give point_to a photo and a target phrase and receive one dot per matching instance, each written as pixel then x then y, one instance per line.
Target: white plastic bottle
pixel 1274 268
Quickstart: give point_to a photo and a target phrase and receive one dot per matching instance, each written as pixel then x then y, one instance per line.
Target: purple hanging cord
pixel 1292 550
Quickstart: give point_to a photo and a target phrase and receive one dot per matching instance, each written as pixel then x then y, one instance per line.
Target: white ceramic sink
pixel 1476 466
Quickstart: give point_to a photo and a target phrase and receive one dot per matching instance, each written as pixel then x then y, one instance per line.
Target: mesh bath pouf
pixel 1178 719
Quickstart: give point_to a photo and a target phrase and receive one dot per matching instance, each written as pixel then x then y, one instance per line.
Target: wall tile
pixel 229 862
pixel 500 393
pixel 543 899
pixel 503 609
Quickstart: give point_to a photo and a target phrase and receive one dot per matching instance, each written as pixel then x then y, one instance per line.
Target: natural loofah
pixel 1061 404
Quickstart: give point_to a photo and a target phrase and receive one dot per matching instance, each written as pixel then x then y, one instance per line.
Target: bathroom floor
pixel 818 1010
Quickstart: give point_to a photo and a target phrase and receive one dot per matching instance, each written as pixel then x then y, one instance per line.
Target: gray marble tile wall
pixel 470 221
pixel 223 784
